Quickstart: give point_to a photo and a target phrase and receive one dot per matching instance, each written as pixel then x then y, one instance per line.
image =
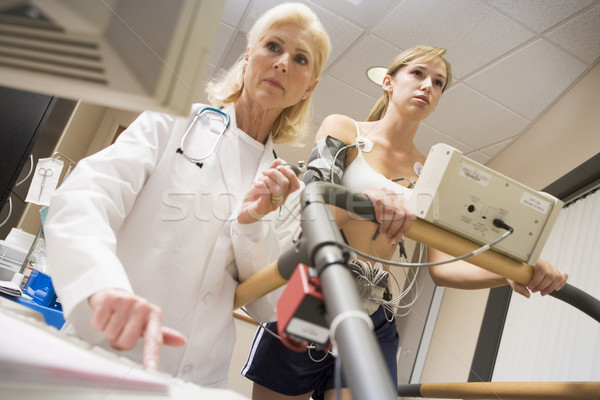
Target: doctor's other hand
pixel 124 317
pixel 546 279
pixel 392 211
pixel 268 192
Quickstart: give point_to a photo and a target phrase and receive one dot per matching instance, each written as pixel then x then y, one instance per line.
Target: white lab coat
pixel 139 217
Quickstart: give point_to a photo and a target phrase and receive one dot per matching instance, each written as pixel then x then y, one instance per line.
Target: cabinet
pixel 30 124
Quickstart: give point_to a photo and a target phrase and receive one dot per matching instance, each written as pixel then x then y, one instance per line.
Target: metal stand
pixel 364 370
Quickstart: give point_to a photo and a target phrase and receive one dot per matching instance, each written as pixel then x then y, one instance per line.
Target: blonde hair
pixel 402 60
pixel 293 121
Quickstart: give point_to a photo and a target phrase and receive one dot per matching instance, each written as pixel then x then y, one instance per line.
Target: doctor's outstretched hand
pixel 268 192
pixel 124 317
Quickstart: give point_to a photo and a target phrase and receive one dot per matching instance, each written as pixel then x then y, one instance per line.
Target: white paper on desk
pixel 44 182
pixel 30 354
pixel 10 288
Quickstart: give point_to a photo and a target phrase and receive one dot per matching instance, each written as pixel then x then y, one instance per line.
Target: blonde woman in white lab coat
pixel 158 229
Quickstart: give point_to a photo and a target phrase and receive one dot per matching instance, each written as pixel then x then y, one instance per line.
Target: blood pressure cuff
pixel 321 158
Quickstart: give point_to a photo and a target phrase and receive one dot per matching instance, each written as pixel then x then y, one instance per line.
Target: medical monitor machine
pixel 464 197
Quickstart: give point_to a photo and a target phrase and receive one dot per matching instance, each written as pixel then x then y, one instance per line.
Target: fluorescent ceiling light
pixel 376 74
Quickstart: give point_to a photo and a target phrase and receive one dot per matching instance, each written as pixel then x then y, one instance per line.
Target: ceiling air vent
pixel 108 52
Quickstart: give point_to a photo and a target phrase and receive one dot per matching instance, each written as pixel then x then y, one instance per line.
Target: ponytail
pixel 379 109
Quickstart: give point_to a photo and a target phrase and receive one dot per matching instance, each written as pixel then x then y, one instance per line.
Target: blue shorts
pixel 274 366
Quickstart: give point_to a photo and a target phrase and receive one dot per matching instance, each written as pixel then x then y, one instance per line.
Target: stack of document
pixel 11 288
pixel 13 252
pixel 11 259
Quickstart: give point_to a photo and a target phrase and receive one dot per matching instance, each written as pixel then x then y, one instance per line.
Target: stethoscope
pixel 224 118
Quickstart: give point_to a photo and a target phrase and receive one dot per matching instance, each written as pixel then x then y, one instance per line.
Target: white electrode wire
pixel 373 275
pixel 393 305
pixel 311 347
pixel 396 300
pixel 335 159
pixel 413 282
pixel 386 266
pixel 17 184
pixel 406 274
pixel 29 173
pixel 9 211
pixel 431 264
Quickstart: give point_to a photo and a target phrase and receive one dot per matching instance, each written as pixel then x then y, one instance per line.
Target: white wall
pixel 562 139
pixel 245 334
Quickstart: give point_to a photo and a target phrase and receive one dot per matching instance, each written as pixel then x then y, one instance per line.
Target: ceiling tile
pixel 427 136
pixel 478 156
pixel 493 36
pixel 254 11
pixel 209 71
pixel 474 119
pixel 540 15
pixel 363 13
pixel 529 80
pixel 233 11
pixel 224 35
pixel 430 22
pixel 342 33
pixel 335 97
pixel 237 47
pixel 494 149
pixel 580 36
pixel 352 67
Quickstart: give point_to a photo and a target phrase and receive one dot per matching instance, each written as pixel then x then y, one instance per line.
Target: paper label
pixel 535 202
pixel 475 174
pixel 308 330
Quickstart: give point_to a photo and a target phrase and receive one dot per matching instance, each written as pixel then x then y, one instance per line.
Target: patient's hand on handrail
pixel 546 279
pixel 392 211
